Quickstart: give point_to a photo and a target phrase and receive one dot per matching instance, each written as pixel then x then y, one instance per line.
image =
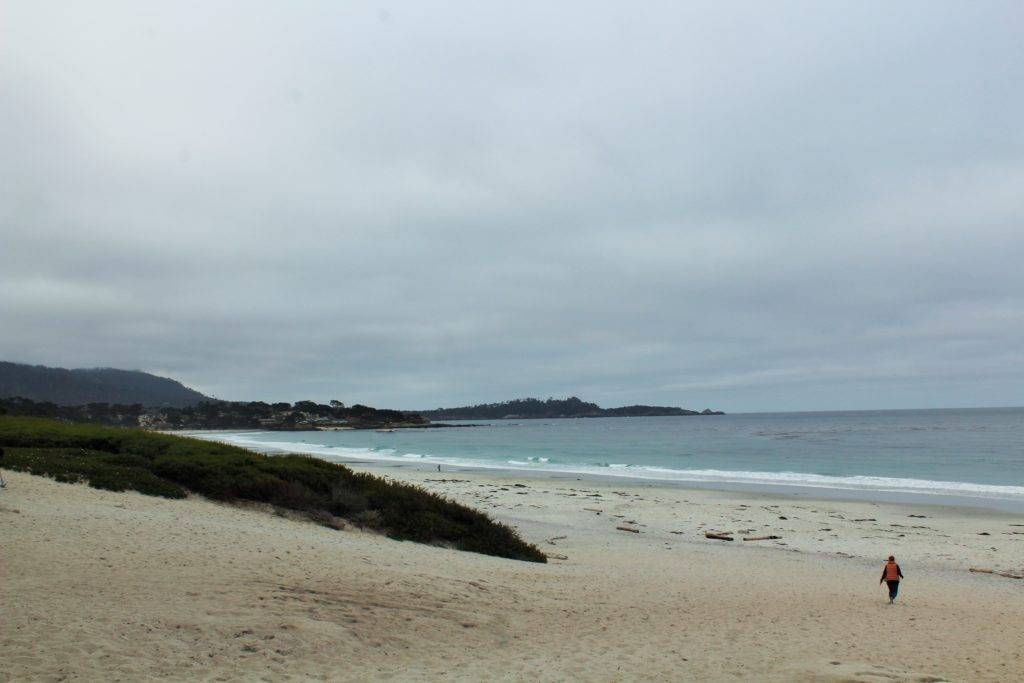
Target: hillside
pixel 97 385
pixel 533 408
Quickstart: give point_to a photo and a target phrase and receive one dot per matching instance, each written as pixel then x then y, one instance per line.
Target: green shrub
pixel 123 459
pixel 116 472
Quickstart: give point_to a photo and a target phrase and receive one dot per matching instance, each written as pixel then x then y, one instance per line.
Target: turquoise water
pixel 975 453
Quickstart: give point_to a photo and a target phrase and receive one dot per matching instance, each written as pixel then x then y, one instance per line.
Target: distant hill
pixel 97 385
pixel 534 408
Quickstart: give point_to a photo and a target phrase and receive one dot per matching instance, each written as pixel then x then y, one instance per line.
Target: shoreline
pixel 799 490
pixel 967 536
pixel 807 493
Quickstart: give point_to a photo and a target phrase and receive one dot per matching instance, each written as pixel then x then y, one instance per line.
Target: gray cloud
pixel 750 206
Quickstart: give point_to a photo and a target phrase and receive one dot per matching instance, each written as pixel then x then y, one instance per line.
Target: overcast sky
pixel 748 206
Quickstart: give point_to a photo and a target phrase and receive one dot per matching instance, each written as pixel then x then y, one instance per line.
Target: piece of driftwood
pixel 597 510
pixel 556 538
pixel 761 538
pixel 552 556
pixel 628 528
pixel 717 537
pixel 1009 575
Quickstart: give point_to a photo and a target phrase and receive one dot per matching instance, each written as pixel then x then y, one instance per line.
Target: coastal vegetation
pixel 121 459
pixel 534 408
pixel 302 415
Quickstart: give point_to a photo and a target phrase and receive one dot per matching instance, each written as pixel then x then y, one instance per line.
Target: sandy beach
pixel 119 586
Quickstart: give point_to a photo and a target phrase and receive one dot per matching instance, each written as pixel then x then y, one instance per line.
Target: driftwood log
pixel 1009 575
pixel 628 528
pixel 717 537
pixel 761 538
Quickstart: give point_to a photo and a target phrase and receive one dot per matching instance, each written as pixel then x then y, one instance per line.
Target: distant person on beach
pixel 891 574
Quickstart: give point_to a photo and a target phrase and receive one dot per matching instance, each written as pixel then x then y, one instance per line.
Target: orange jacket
pixel 892 572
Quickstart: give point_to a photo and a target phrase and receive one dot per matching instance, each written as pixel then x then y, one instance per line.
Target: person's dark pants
pixel 894 588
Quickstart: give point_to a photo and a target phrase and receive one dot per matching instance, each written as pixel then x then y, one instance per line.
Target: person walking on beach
pixel 891 574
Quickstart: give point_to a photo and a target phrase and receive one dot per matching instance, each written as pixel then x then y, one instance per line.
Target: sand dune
pixel 119 586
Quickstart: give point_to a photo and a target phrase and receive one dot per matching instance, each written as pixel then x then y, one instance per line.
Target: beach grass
pixel 123 459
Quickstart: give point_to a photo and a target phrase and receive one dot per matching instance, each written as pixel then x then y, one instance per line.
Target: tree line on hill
pixel 132 398
pixel 534 408
pixel 302 415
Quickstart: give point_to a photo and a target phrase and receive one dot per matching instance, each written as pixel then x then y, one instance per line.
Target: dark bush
pixel 122 459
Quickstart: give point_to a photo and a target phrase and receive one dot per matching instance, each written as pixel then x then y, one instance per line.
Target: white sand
pixel 119 586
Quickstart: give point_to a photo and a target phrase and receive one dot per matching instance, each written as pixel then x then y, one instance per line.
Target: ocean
pixel 956 456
